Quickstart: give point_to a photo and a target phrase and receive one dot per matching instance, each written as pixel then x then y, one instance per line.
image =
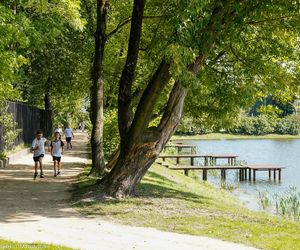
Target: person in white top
pixel 69 135
pixel 57 149
pixel 38 149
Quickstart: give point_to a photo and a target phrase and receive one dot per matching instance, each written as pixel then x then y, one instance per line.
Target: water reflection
pixel 285 153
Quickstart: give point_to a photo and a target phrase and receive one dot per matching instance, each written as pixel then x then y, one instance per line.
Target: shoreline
pixel 221 136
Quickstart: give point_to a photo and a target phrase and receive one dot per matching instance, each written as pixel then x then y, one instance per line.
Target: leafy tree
pixel 224 52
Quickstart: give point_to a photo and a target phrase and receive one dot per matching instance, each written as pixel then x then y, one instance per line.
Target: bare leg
pixel 41 167
pixel 35 169
pixel 58 166
pixel 55 162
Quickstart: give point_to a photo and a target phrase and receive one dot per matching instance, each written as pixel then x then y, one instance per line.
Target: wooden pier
pixel 180 146
pixel 210 159
pixel 246 172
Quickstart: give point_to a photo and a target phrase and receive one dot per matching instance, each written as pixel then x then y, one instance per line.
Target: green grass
pixel 221 136
pixel 13 245
pixel 170 201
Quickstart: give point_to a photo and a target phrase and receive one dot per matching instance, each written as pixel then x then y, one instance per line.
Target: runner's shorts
pixel 56 158
pixel 37 158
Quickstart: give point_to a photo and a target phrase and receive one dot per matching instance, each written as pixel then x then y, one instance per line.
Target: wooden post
pixel 186 172
pixel 279 174
pixel 274 174
pixel 177 160
pixel 192 160
pixel 254 174
pixel 223 174
pixel 204 175
pixel 249 174
pixel 269 173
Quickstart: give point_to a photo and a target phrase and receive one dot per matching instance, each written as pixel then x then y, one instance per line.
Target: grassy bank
pixel 170 201
pixel 221 136
pixel 13 245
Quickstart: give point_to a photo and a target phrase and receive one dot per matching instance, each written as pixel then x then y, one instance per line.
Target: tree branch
pixel 121 24
pixel 127 77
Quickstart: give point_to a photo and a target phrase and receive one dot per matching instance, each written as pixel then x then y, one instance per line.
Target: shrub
pixel 288 125
pixel 110 133
pixel 189 126
pixel 10 133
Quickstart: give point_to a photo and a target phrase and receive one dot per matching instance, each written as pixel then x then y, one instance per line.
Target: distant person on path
pixel 38 149
pixel 69 135
pixel 57 149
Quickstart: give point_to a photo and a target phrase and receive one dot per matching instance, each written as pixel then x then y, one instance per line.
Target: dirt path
pixel 40 211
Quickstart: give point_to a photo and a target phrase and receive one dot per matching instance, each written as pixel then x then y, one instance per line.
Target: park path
pixel 40 210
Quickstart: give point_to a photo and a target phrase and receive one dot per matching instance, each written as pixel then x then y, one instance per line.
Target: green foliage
pixel 289 125
pixel 266 124
pixel 111 133
pixel 190 126
pixel 259 125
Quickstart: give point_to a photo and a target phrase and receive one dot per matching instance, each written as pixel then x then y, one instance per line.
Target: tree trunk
pixel 128 73
pixel 97 96
pixel 47 102
pixel 130 169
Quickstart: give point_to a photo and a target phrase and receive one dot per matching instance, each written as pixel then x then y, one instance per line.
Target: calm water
pixel 285 153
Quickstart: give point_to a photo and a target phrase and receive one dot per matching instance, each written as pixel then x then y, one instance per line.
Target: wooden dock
pixel 253 168
pixel 245 171
pixel 180 146
pixel 209 159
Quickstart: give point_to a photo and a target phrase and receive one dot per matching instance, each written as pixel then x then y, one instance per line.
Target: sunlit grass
pixel 170 201
pixel 13 245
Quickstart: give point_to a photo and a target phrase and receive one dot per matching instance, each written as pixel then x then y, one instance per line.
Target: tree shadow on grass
pixel 158 186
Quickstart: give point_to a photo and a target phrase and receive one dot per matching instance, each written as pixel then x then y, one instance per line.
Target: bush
pixel 288 125
pixel 189 126
pixel 10 133
pixel 266 124
pixel 111 133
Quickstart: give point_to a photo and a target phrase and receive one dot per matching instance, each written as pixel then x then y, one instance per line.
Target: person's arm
pixel 73 134
pixel 34 146
pixel 51 148
pixel 46 143
pixel 62 147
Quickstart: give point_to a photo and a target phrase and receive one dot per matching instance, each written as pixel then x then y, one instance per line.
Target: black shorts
pixel 37 158
pixel 56 158
pixel 68 139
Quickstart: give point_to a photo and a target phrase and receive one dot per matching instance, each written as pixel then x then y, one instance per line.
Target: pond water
pixel 285 153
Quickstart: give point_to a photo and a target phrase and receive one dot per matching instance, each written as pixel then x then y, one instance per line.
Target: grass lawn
pixel 170 201
pixel 13 245
pixel 221 136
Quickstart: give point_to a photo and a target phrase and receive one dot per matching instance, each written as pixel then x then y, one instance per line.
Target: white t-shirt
pixel 57 148
pixel 41 146
pixel 68 132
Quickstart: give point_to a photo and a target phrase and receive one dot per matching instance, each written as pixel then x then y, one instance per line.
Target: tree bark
pixel 129 170
pixel 97 95
pixel 127 77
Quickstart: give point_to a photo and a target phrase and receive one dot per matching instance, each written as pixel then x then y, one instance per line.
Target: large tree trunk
pixel 97 96
pixel 129 169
